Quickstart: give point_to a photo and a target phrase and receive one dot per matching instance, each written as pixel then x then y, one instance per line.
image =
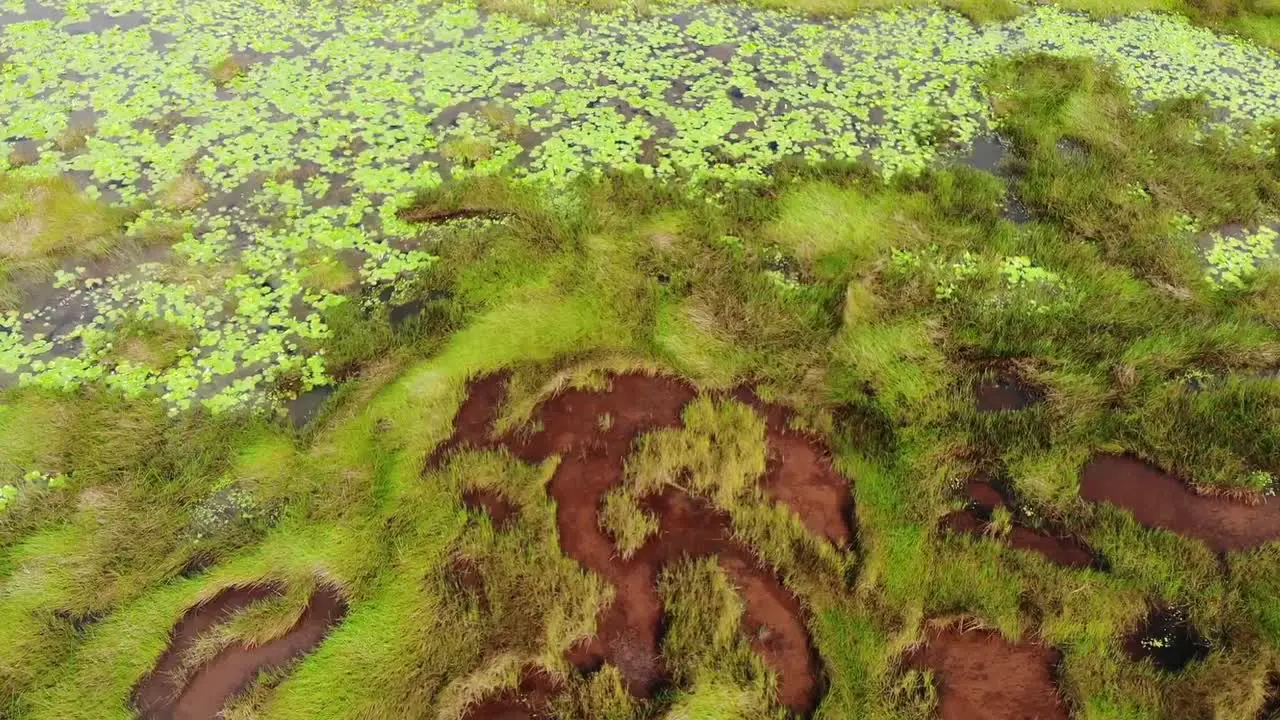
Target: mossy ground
pixel 869 305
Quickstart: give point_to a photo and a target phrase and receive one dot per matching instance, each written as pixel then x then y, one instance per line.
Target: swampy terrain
pixel 627 360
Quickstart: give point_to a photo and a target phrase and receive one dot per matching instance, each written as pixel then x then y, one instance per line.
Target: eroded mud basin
pixel 175 691
pixel 593 461
pixel 1004 394
pixel 975 518
pixel 982 676
pixel 527 701
pixel 1158 499
pixel 288 136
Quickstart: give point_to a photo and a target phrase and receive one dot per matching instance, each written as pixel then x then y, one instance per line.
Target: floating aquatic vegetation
pixel 993 282
pixel 32 481
pixel 1234 257
pixel 275 132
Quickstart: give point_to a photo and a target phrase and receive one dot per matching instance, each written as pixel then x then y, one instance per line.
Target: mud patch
pixel 463 578
pixel 475 418
pixel 1160 500
pixel 530 700
pixel 1062 551
pixel 799 474
pixel 984 495
pixel 1003 394
pixel 159 696
pixel 1168 639
pixel 629 631
pixel 593 457
pixel 501 511
pixel 984 498
pixel 981 676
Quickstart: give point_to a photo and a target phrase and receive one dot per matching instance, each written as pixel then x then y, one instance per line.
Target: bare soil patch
pixel 1004 394
pixel 475 418
pixel 501 511
pixel 799 474
pixel 1063 551
pixel 593 457
pixel 983 494
pixel 159 696
pixel 629 631
pixel 981 676
pixel 1168 639
pixel 462 575
pixel 528 701
pixel 1158 499
pixel 984 498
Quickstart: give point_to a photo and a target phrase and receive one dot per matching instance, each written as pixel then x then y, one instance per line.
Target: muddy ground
pixel 982 676
pixel 501 511
pixel 1160 500
pixel 799 474
pixel 978 674
pixel 162 695
pixel 1004 393
pixel 984 498
pixel 527 701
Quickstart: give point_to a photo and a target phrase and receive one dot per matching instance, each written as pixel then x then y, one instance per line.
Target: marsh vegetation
pixel 822 360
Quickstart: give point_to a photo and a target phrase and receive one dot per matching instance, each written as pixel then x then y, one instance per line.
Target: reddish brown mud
pixel 983 494
pixel 462 575
pixel 593 456
pixel 981 676
pixel 984 497
pixel 160 696
pixel 774 622
pixel 1063 551
pixel 799 474
pixel 475 417
pixel 528 701
pixel 501 511
pixel 1160 500
pixel 1003 394
pixel 629 631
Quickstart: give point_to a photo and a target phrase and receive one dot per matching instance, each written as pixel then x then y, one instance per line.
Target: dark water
pixel 303 408
pixel 1167 638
